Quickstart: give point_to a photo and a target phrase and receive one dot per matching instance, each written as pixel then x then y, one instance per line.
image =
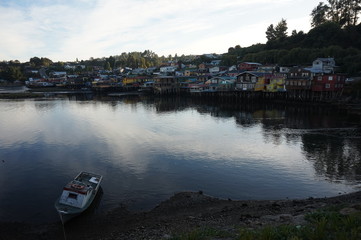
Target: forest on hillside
pixel 335 33
pixel 326 40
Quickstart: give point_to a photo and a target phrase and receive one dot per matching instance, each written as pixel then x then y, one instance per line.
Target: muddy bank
pixel 181 213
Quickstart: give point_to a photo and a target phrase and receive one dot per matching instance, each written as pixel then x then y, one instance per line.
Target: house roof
pixel 257 74
pixel 251 63
pixel 325 59
pixel 314 70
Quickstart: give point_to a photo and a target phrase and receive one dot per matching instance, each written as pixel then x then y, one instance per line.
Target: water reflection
pixel 334 157
pixel 148 148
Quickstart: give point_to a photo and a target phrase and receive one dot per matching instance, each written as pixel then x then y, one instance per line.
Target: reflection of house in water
pixel 244 119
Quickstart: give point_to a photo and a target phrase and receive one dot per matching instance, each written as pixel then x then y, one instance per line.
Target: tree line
pixel 343 12
pixel 335 33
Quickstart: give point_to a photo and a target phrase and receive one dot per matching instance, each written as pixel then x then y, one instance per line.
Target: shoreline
pixel 181 213
pixel 353 107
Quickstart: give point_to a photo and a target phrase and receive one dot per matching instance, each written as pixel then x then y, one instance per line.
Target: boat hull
pixel 68 211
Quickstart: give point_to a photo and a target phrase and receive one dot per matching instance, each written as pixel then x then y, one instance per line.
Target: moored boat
pixel 78 195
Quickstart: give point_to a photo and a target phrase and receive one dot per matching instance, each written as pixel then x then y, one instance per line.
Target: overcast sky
pixel 64 30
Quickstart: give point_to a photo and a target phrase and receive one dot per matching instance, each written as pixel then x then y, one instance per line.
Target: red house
pixel 328 83
pixel 249 66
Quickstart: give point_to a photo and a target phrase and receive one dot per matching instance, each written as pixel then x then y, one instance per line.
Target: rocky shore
pixel 182 213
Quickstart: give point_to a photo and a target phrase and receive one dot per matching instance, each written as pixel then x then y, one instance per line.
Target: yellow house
pixel 270 83
pixel 130 80
pixel 277 83
pixel 260 84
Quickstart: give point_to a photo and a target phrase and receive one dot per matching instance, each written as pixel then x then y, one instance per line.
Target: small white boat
pixel 78 195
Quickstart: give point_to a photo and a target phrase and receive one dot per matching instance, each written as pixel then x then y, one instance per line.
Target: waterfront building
pixel 249 66
pixel 328 83
pixel 166 85
pixel 246 81
pixel 299 78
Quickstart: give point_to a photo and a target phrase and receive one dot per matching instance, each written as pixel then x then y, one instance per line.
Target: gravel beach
pixel 181 213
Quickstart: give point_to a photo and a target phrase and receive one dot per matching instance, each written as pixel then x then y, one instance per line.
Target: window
pixel 330 78
pixel 327 85
pixel 319 78
pixel 72 196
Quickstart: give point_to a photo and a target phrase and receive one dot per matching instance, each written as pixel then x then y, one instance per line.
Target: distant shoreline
pixel 351 107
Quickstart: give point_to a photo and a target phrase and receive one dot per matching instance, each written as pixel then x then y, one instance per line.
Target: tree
pixel 46 62
pixel 12 73
pixel 229 60
pixel 281 29
pixel 318 14
pixel 277 33
pixel 35 62
pixel 270 33
pixel 107 66
pixel 343 12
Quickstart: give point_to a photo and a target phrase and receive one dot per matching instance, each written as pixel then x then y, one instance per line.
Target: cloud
pixel 66 30
pixel 15 32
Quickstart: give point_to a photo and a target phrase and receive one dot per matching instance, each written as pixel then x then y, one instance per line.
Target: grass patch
pixel 326 224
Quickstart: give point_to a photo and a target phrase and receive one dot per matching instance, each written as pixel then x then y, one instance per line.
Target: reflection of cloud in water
pixel 134 135
pixel 31 124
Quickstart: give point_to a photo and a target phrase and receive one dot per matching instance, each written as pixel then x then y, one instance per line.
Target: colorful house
pixel 328 83
pixel 166 85
pixel 299 78
pixel 246 81
pixel 276 83
pixel 135 80
pixel 220 84
pixel 249 66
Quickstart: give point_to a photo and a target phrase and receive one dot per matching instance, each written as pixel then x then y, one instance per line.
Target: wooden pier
pixel 302 96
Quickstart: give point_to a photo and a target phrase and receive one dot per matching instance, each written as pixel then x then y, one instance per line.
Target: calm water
pixel 148 149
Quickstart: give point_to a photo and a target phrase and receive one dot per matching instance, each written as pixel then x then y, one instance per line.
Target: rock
pixel 348 211
pixel 285 217
pixel 166 236
pixel 270 217
pixel 299 220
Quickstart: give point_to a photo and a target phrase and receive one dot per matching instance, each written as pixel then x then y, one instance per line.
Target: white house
pixel 324 65
pixel 168 69
pixel 213 70
pixel 58 74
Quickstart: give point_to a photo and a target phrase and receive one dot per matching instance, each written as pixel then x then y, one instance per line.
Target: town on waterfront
pixel 317 82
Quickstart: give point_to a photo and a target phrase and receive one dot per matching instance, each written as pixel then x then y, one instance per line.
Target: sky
pixel 66 30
